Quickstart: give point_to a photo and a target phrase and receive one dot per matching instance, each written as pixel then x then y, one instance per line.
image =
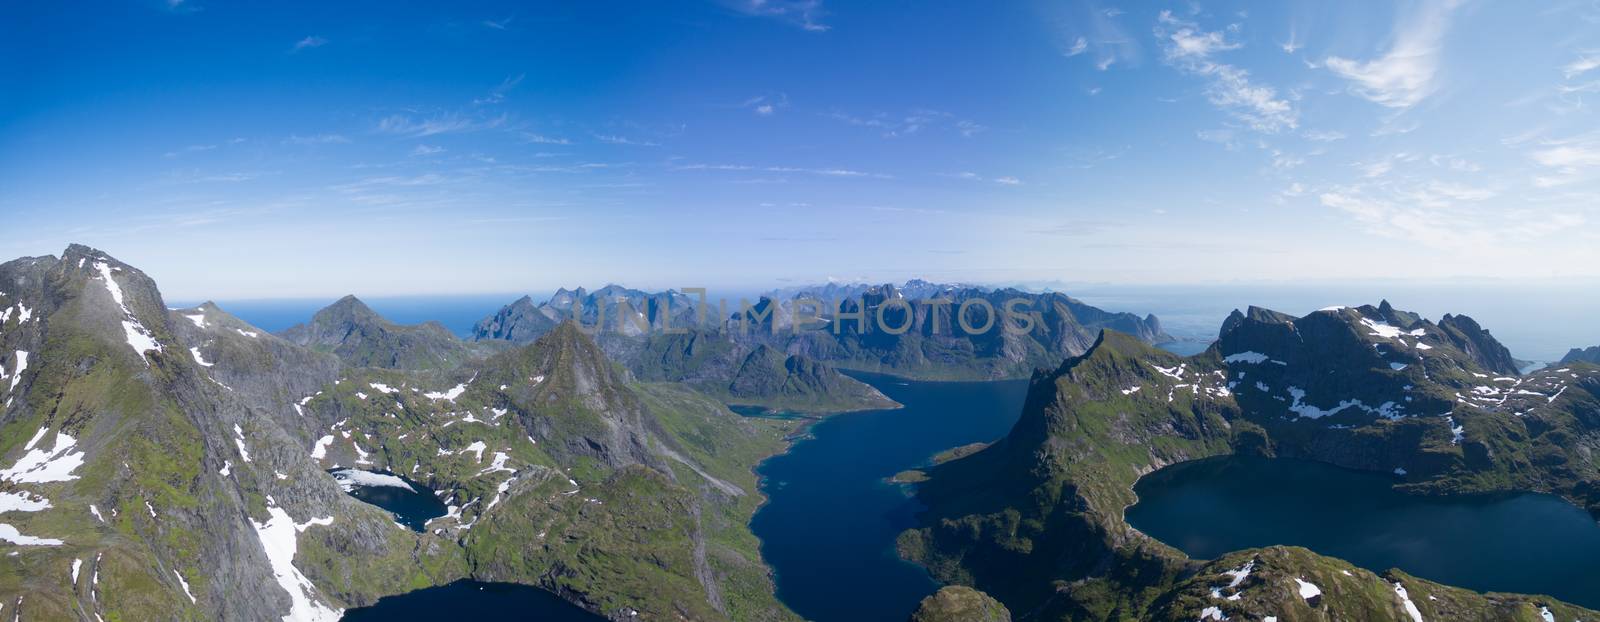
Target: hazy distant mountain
pixel 702 355
pixel 829 292
pixel 758 375
pixel 627 312
pixel 362 338
pixel 934 344
pixel 1035 519
pixel 1590 354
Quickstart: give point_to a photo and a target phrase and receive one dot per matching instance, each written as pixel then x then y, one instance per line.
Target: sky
pixel 262 150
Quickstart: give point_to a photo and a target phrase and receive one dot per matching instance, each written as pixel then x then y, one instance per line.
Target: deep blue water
pixel 1527 543
pixel 473 600
pixel 412 508
pixel 830 522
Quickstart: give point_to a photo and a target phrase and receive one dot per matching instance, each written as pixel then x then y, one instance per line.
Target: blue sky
pixel 287 149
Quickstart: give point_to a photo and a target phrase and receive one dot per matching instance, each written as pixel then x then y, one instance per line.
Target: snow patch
pixel 1308 591
pixel 185 585
pixel 20 501
pixel 198 358
pixel 199 319
pixel 279 539
pixel 10 534
pixel 320 450
pixel 39 466
pixel 350 478
pixel 450 395
pixel 1405 600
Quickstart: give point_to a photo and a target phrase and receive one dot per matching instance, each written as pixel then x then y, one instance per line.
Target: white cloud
pixel 315 139
pixel 1079 46
pixel 1008 181
pixel 422 150
pixel 616 139
pixel 1443 224
pixel 533 137
pixel 1585 63
pixel 1408 72
pixel 1568 161
pixel 807 14
pixel 449 123
pixel 1326 136
pixel 312 41
pixel 1190 49
pixel 498 93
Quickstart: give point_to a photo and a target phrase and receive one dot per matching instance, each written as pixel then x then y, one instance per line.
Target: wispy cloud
pixel 911 122
pixel 807 14
pixel 309 42
pixel 187 150
pixel 824 172
pixel 1325 136
pixel 315 139
pixel 1585 63
pixel 1079 46
pixel 766 105
pixel 497 24
pixel 534 137
pixel 1408 72
pixel 617 139
pixel 1005 180
pixel 447 123
pixel 425 150
pixel 1440 221
pixel 1567 161
pixel 1191 49
pixel 498 93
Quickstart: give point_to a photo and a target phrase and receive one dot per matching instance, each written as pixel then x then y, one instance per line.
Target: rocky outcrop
pixel 957 603
pixel 1477 343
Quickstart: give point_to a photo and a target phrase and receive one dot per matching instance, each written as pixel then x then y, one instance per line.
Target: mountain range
pixel 161 463
pixel 1036 518
pixel 912 332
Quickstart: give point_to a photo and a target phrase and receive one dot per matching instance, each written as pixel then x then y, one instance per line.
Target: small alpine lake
pixel 411 503
pixel 828 528
pixel 1517 542
pixel 473 600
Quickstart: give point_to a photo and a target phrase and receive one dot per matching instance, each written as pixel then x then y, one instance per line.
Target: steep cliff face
pixel 141 487
pixel 1036 518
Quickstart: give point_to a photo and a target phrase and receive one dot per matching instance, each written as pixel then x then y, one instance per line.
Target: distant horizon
pixel 1535 325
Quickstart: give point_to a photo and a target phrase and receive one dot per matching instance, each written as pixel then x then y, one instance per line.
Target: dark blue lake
pixel 830 522
pixel 1529 543
pixel 473 600
pixel 412 504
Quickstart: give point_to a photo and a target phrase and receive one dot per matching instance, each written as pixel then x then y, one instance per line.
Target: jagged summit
pixel 1590 354
pixel 361 337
